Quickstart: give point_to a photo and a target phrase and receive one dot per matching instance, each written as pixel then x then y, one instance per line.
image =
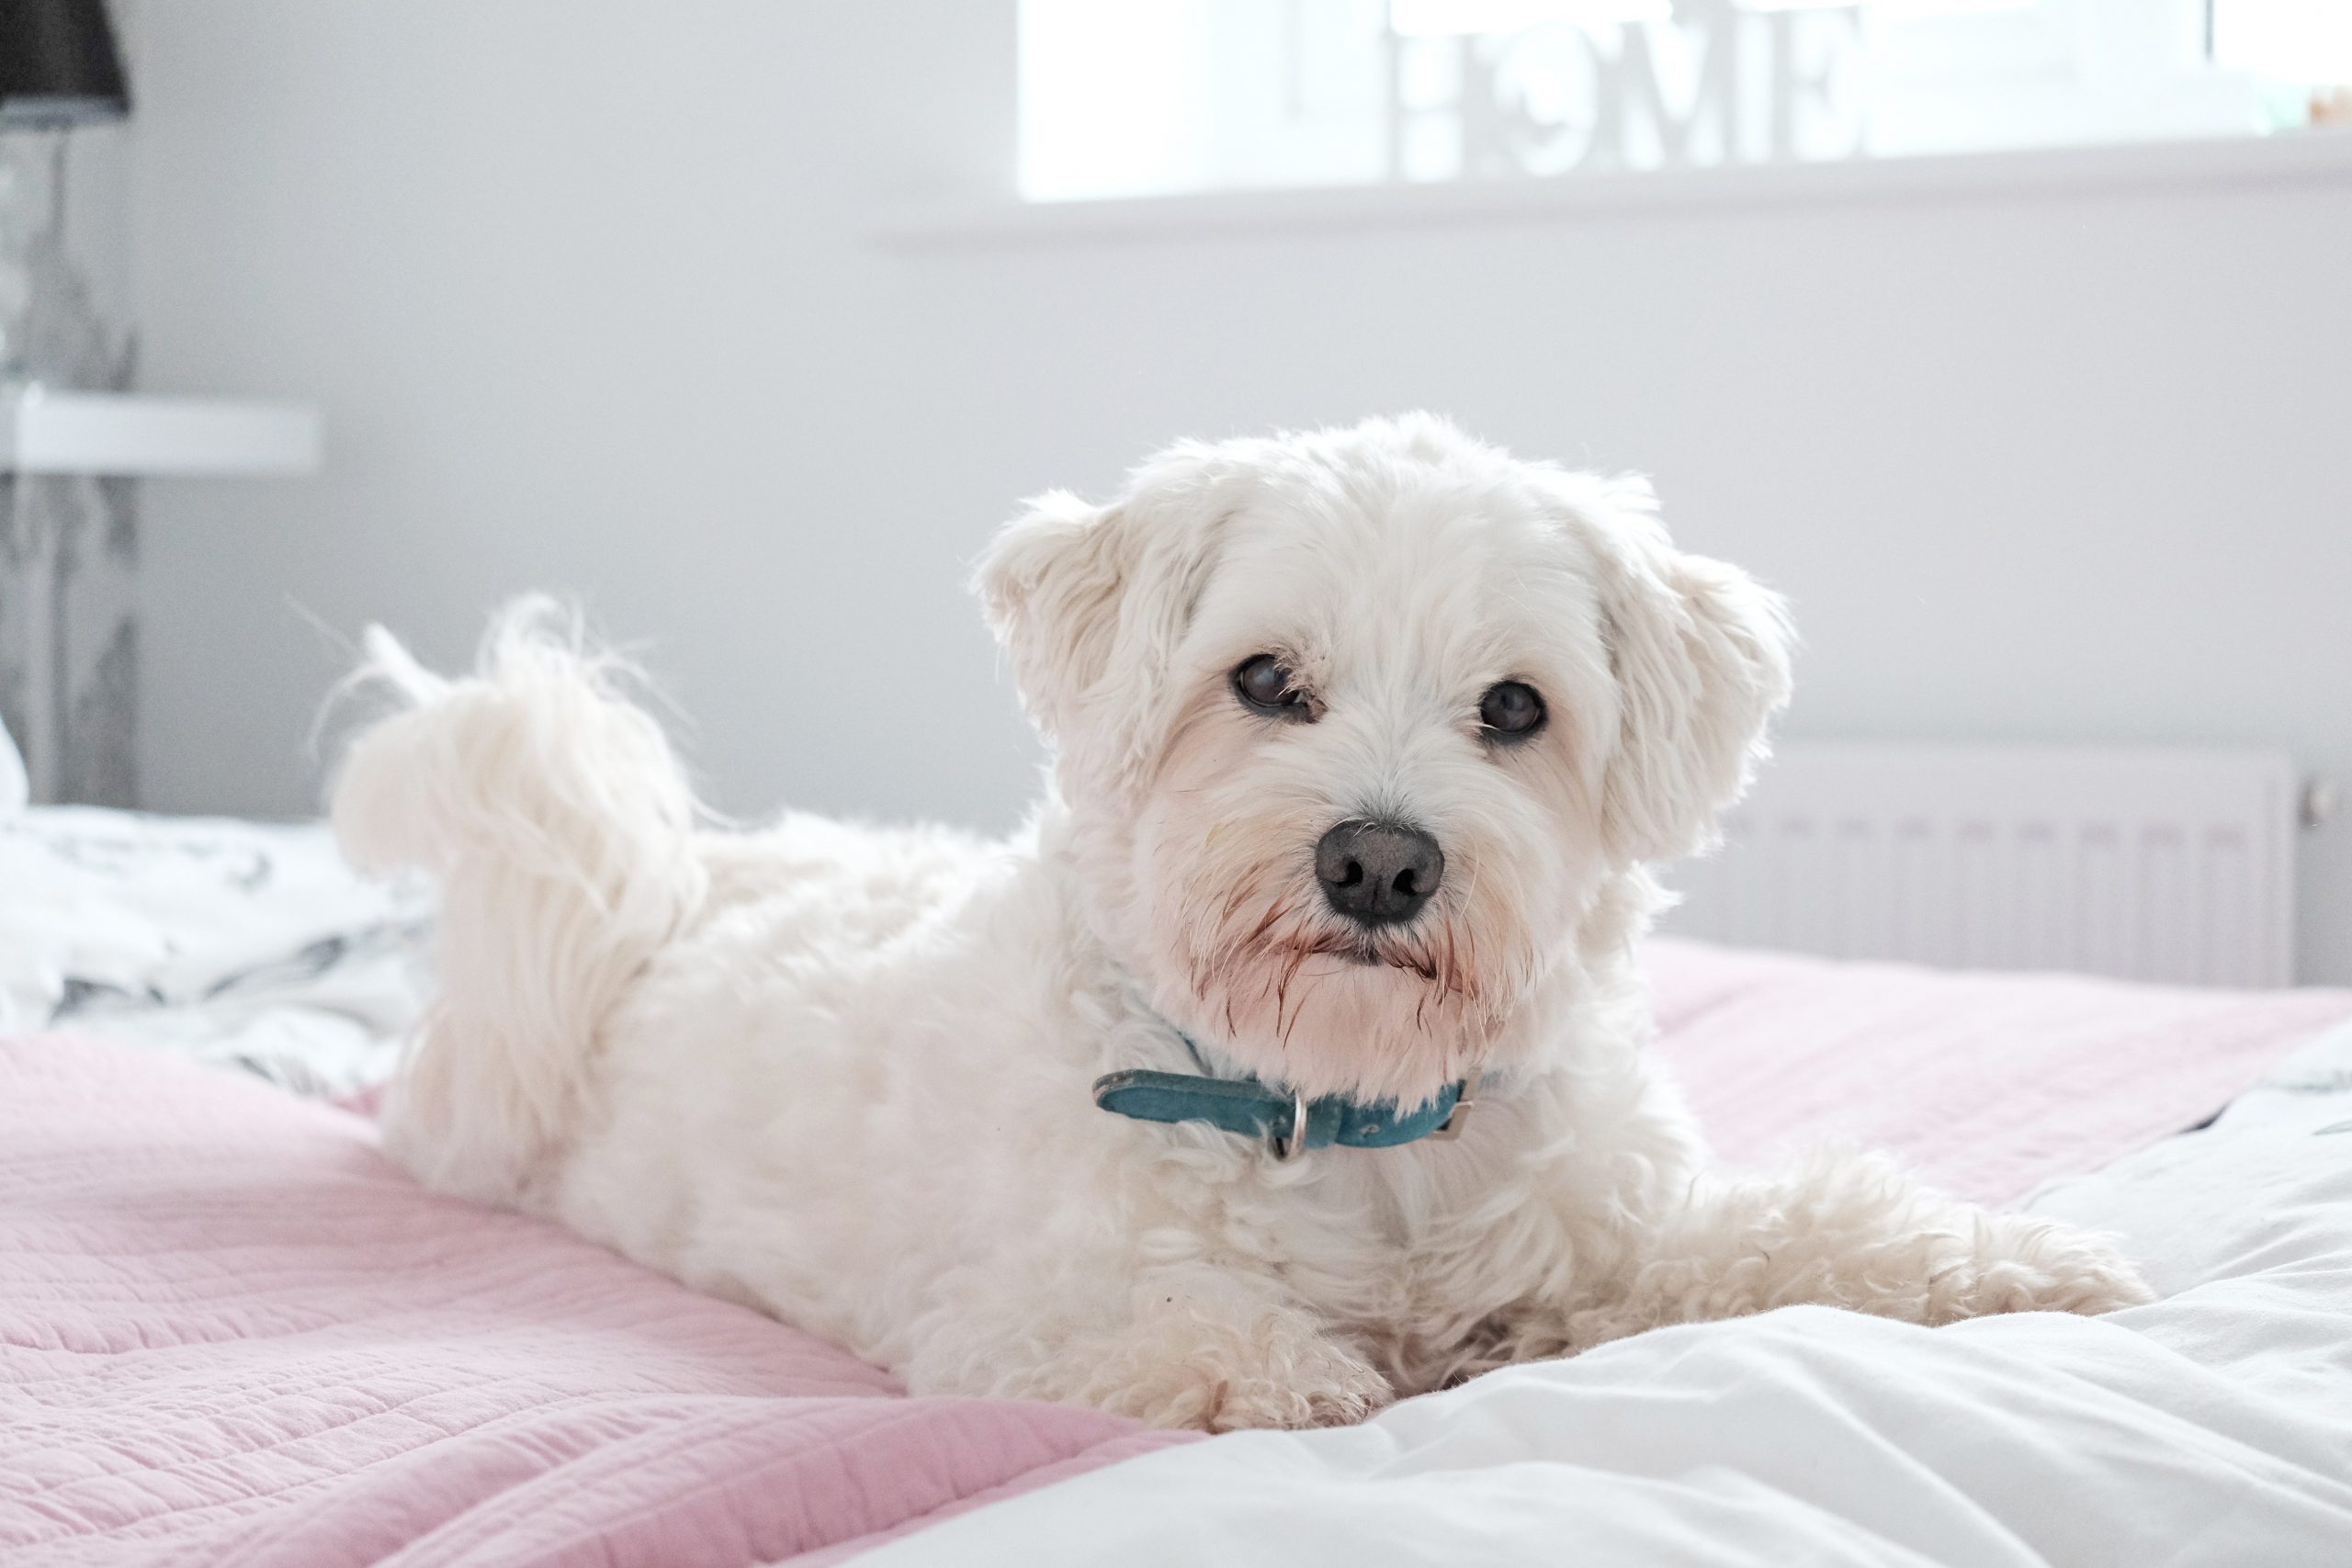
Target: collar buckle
pixel 1288 1150
pixel 1450 1128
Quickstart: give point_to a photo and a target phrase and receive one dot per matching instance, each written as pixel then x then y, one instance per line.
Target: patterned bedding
pixel 243 944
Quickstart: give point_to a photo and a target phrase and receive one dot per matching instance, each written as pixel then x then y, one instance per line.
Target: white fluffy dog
pixel 1362 740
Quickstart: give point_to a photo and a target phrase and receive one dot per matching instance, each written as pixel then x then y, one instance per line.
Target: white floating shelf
pixel 47 431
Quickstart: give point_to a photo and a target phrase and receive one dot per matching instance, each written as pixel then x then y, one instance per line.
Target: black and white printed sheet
pixel 220 940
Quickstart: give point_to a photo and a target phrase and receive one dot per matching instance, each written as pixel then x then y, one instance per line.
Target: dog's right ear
pixel 1090 604
pixel 1050 585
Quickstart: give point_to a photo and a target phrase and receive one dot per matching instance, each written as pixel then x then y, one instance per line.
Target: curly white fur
pixel 841 1073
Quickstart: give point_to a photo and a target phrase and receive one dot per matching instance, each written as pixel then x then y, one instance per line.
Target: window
pixel 1151 97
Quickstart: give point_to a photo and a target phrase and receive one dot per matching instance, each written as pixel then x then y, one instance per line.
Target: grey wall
pixel 589 300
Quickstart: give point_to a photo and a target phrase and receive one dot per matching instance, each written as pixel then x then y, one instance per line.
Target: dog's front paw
pixel 1276 1372
pixel 2032 1265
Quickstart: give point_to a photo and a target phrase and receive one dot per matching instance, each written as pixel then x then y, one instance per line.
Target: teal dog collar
pixel 1290 1124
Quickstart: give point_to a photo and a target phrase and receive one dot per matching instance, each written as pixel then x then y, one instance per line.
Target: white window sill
pixel 2320 157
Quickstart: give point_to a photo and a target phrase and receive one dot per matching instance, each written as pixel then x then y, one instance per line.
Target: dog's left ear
pixel 1699 651
pixel 1090 604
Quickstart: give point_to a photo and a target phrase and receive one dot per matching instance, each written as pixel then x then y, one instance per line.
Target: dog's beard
pixel 1307 999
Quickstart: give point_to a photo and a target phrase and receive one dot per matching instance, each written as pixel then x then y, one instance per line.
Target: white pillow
pixel 14 789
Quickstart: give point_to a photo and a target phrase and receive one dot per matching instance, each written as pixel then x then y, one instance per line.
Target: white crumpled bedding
pixel 228 941
pixel 2211 1427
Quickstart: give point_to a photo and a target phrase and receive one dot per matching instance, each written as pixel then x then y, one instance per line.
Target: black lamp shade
pixel 58 64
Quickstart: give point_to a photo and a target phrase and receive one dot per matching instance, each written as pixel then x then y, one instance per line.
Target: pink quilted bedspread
pixel 232 1333
pixel 1989 1085
pixel 229 1332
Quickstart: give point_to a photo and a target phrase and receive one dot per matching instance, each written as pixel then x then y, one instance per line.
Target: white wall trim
pixel 2310 157
pixel 46 430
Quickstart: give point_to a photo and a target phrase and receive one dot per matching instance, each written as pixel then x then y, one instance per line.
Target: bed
pixel 231 1331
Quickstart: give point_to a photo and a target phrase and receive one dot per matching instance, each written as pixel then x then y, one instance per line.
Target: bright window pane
pixel 1149 96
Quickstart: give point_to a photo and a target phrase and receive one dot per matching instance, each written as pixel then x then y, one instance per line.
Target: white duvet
pixel 2212 1428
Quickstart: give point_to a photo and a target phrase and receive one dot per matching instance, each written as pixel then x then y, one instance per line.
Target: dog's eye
pixel 1265 684
pixel 1510 710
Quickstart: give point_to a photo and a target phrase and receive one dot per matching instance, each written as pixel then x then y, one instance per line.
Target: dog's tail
pixel 559 826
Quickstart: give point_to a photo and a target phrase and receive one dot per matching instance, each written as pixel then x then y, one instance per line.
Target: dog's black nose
pixel 1378 873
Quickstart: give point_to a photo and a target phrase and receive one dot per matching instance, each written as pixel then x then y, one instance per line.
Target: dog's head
pixel 1355 728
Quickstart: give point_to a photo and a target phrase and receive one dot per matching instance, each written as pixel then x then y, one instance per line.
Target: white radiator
pixel 2167 865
